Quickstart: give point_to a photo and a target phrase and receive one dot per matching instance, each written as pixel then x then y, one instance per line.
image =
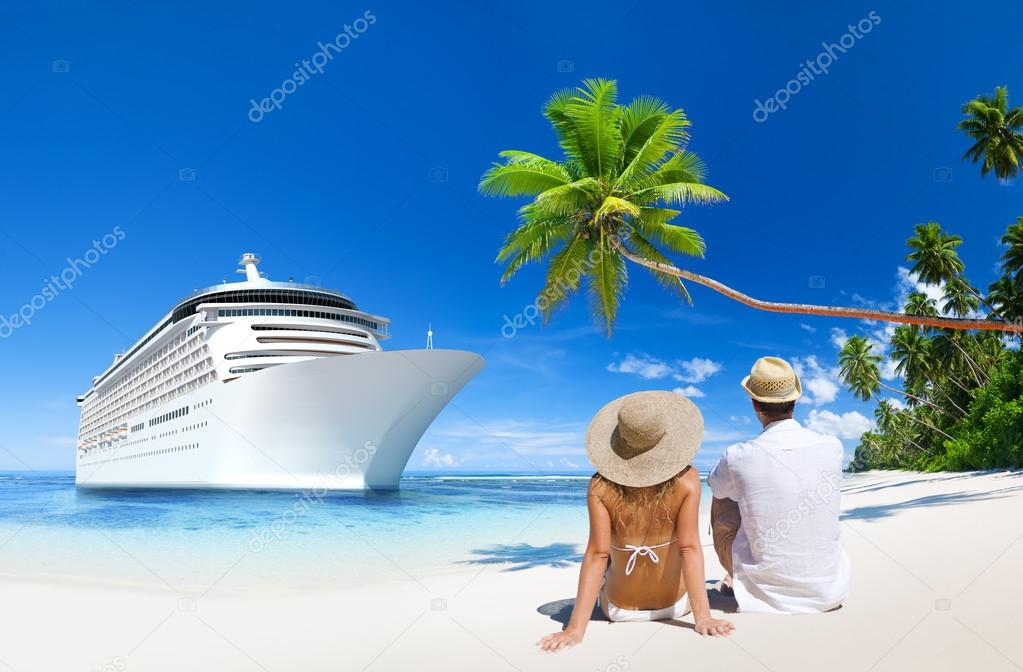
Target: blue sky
pixel 365 179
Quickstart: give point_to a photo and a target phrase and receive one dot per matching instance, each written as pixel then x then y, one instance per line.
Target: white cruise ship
pixel 263 385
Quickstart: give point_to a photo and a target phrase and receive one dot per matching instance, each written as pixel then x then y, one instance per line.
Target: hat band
pixel 770 389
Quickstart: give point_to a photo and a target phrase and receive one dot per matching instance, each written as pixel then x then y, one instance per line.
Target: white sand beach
pixel 936 560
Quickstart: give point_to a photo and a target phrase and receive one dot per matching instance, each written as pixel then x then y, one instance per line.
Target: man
pixel 774 516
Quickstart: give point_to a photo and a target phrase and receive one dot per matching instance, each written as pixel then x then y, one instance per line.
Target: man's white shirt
pixel 788 555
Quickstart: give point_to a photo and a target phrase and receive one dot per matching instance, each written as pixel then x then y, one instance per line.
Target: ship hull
pixel 333 423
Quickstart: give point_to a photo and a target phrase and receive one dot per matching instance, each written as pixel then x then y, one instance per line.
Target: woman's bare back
pixel 650 585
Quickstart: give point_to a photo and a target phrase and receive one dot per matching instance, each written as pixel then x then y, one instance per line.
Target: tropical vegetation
pixel 959 404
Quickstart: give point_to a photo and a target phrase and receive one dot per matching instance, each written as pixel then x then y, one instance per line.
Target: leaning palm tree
pixel 625 176
pixel 997 133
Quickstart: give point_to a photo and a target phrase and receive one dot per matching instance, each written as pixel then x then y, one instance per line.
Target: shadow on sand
pixel 885 510
pixel 561 610
pixel 526 556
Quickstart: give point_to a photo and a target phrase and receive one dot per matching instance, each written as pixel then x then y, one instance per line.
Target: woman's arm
pixel 591 573
pixel 688 535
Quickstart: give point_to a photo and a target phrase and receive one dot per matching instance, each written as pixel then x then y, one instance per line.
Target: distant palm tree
pixel 859 370
pixel 934 255
pixel 997 132
pixel 1012 258
pixel 960 299
pixel 936 261
pixel 1006 295
pixel 625 176
pixel 919 303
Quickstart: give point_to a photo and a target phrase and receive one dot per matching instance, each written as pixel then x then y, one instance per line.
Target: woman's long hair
pixel 626 504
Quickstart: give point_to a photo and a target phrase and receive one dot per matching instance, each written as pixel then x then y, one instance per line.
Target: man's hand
pixel 714 627
pixel 560 640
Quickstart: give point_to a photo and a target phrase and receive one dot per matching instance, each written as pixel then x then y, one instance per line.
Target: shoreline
pixel 935 586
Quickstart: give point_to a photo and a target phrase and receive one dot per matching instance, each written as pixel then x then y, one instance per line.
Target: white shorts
pixel 619 615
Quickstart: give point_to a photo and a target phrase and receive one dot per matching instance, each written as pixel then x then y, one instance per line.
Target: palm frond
pixel 568 133
pixel 565 273
pixel 567 198
pixel 595 117
pixel 644 248
pixel 614 206
pixel 680 239
pixel 639 119
pixel 526 177
pixel 607 279
pixel 670 135
pixel 679 193
pixel 533 240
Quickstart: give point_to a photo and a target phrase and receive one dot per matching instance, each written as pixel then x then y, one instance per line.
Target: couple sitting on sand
pixel 774 517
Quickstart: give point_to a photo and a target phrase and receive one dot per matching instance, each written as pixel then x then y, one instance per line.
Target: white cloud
pixel 569 463
pixel 820 385
pixel 697 370
pixel 742 419
pixel 690 391
pixel 521 437
pixel 435 459
pixel 838 337
pixel 897 402
pixel 643 366
pixel 807 327
pixel 849 425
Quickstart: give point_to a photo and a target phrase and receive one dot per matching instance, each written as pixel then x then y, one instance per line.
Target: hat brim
pixel 669 456
pixel 796 393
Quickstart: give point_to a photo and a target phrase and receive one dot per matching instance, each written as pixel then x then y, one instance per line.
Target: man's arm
pixel 721 480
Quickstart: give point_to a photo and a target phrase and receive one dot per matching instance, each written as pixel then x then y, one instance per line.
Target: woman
pixel 644 560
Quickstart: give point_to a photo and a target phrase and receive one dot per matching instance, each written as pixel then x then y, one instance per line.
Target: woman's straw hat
pixel 772 381
pixel 644 438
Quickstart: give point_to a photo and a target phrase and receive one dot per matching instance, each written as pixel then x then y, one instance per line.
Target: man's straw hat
pixel 644 438
pixel 772 381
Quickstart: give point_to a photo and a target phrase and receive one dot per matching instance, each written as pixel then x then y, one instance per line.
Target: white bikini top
pixel 637 551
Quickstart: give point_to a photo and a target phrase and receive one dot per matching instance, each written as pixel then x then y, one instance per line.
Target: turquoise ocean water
pixel 434 523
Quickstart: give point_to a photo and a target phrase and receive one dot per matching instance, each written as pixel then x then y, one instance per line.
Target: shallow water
pixel 192 538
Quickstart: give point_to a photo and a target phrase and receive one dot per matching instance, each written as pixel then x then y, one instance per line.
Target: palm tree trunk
pixel 929 426
pixel 948 398
pixel 895 390
pixel 823 311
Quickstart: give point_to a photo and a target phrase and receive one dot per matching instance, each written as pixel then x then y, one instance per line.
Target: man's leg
pixel 724 524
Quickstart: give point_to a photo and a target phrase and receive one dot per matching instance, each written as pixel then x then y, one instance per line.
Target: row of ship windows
pixel 140 426
pixel 170 415
pixel 246 369
pixel 162 451
pixel 262 327
pixel 139 388
pixel 160 436
pixel 289 312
